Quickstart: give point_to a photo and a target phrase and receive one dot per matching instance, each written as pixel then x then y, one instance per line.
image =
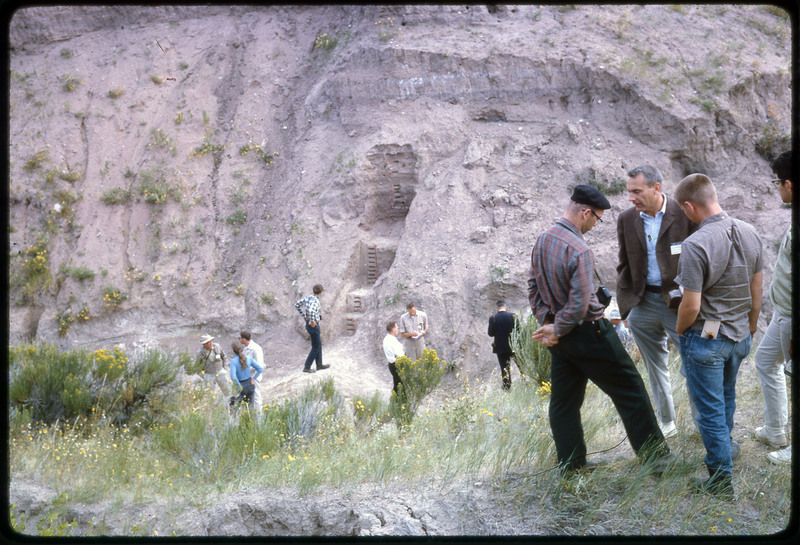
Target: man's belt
pixel 653 289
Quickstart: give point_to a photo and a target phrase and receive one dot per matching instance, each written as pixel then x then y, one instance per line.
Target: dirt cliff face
pixel 185 170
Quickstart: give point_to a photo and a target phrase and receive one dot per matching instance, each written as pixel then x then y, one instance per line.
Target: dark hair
pixel 500 303
pixel 651 174
pixel 410 306
pixel 390 326
pixel 237 349
pixel 245 335
pixel 782 165
pixel 317 289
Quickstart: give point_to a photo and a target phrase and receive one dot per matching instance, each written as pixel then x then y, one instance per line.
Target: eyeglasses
pixel 599 219
pixel 777 183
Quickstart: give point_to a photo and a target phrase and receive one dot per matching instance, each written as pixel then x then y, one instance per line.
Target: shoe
pixel 735 450
pixel 669 429
pixel 774 441
pixel 320 367
pixel 720 486
pixel 660 464
pixel 588 467
pixel 308 370
pixel 783 456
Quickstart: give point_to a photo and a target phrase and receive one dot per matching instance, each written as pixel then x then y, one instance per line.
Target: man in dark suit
pixel 650 234
pixel 500 327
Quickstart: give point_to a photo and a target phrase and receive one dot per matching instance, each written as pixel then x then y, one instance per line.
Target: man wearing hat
pixel 583 345
pixel 214 363
pixel 650 234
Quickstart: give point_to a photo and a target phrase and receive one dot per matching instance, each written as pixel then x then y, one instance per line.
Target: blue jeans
pixel 316 346
pixel 711 366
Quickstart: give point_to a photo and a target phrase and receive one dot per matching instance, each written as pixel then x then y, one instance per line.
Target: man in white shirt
pixel 393 349
pixel 252 349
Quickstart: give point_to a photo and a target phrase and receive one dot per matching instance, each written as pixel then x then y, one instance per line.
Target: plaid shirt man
pixel 560 288
pixel 309 308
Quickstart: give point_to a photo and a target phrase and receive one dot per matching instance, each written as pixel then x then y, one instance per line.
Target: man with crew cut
pixel 720 273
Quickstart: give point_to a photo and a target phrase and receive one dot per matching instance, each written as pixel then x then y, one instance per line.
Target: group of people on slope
pixel 412 329
pixel 687 270
pixel 244 369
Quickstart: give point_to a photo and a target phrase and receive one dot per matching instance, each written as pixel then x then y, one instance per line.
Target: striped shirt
pixel 560 281
pixel 308 307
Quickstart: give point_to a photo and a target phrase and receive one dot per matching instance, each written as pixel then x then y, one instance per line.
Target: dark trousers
pixel 593 351
pixel 395 376
pixel 246 395
pixel 505 368
pixel 316 346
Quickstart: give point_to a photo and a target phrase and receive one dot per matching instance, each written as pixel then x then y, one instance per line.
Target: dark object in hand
pixel 603 295
pixel 675 299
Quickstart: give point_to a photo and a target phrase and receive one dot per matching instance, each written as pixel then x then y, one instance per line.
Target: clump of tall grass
pixel 532 357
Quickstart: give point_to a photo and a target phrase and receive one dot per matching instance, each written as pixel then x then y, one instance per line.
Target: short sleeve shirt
pixel 414 324
pixel 719 261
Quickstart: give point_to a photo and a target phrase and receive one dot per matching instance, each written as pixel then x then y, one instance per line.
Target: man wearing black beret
pixel 583 344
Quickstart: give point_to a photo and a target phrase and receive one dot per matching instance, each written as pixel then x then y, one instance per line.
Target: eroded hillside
pixel 180 170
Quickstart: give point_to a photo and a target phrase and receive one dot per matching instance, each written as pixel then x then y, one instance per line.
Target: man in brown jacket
pixel 650 234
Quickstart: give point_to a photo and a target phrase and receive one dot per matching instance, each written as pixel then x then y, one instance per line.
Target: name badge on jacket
pixel 675 248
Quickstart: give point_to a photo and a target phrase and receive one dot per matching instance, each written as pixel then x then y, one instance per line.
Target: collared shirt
pixel 392 348
pixel 719 261
pixel 240 375
pixel 413 324
pixel 309 308
pixel 652 226
pixel 212 360
pixel 560 281
pixel 780 290
pixel 255 351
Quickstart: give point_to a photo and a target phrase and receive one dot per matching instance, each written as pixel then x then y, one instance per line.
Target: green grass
pixel 78 273
pixel 465 432
pixel 116 195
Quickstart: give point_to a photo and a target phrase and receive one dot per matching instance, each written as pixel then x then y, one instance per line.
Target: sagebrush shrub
pixel 55 385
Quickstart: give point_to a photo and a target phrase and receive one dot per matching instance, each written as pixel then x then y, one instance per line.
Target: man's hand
pixel 313 324
pixel 546 335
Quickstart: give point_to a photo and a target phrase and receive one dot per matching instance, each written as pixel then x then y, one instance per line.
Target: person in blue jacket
pixel 240 374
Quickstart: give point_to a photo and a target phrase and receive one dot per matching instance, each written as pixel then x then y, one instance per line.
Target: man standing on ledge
pixel 650 234
pixel 413 328
pixel 720 273
pixel 583 344
pixel 309 309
